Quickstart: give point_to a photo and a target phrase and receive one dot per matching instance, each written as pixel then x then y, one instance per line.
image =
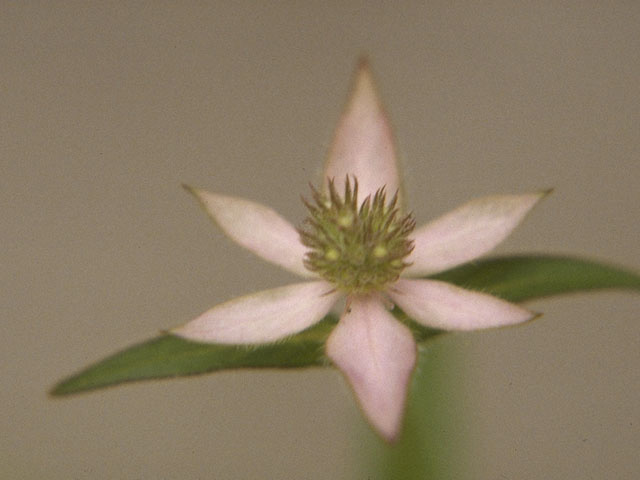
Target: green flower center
pixel 359 248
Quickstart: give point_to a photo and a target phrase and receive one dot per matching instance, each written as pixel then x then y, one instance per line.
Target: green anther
pixel 332 254
pixel 345 220
pixel 358 247
pixel 380 251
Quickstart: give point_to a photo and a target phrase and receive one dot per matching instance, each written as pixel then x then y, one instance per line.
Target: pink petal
pixel 263 316
pixel 467 232
pixel 442 305
pixel 257 228
pixel 363 142
pixel 377 354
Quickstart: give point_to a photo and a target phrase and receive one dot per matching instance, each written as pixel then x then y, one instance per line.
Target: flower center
pixel 358 248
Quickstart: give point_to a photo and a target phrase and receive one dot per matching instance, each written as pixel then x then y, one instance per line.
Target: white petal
pixel 257 228
pixel 442 305
pixel 467 232
pixel 363 142
pixel 263 316
pixel 377 355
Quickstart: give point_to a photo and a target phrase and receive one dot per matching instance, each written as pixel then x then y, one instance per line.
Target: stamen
pixel 358 247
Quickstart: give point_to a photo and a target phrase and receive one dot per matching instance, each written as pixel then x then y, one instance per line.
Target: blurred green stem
pixel 432 444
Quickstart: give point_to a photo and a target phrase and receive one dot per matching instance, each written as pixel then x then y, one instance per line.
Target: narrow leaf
pixel 521 278
pixel 170 356
pixel 516 279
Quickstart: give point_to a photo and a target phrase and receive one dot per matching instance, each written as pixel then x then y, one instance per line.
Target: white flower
pixel 375 352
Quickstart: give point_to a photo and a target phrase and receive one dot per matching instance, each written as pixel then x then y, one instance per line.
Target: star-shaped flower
pixel 361 246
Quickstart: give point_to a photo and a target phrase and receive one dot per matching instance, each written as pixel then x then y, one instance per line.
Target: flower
pixel 367 250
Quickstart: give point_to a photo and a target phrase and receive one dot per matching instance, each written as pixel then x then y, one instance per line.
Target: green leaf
pixel 513 278
pixel 521 278
pixel 171 356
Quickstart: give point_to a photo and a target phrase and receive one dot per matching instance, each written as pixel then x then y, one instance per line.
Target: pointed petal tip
pixel 535 195
pixel 196 192
pixel 528 317
pixel 189 188
pixel 363 144
pixel 390 435
pixel 534 316
pixel 542 194
pixel 363 62
pixel 526 201
pixel 363 71
pixel 444 306
pixel 534 198
pixel 363 86
pixel 469 231
pixel 184 333
pixel 175 331
pixel 377 355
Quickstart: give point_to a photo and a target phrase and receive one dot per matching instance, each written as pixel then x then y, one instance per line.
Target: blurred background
pixel 106 107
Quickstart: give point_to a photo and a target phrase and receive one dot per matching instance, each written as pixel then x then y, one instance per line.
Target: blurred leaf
pixel 512 278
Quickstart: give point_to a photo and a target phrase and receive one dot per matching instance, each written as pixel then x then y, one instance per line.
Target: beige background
pixel 106 107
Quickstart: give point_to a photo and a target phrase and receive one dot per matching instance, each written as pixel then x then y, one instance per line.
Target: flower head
pixel 358 243
pixel 357 246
